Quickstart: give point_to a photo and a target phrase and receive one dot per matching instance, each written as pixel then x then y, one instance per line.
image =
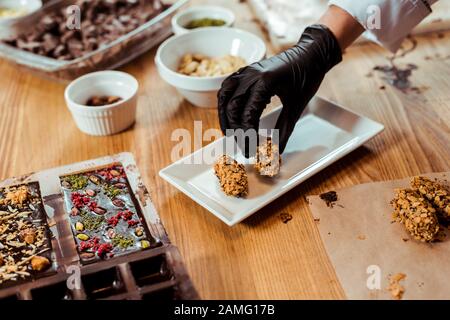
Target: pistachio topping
pixel 76 182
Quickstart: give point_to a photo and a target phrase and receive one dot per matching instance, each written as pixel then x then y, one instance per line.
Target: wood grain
pixel 262 257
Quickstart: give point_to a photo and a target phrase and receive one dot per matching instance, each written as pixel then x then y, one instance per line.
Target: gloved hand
pixel 293 75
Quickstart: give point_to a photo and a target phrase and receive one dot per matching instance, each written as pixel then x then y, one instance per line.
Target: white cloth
pixel 397 18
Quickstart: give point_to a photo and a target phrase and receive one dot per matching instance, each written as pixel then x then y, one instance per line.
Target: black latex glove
pixel 293 75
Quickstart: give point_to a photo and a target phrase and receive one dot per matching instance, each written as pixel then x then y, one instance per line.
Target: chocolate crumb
pixel 285 217
pixel 316 219
pixel 361 237
pixel 330 198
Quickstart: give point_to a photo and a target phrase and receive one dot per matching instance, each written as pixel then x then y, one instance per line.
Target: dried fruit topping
pixel 113 221
pixel 79 200
pixel 95 246
pixel 66 184
pixel 74 211
pixel 92 222
pixel 15 196
pixel 118 203
pixel 416 213
pixel 28 235
pixel 122 241
pixel 145 244
pixel 79 226
pixel 132 223
pixel 330 198
pixel 126 215
pixel 87 255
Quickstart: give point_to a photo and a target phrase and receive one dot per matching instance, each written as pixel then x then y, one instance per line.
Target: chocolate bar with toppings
pixel 25 240
pixel 268 159
pixel 105 218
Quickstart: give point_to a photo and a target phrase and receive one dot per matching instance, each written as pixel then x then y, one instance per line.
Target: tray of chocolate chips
pixel 86 231
pixel 72 37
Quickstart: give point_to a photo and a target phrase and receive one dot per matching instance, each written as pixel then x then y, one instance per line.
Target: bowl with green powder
pixel 200 17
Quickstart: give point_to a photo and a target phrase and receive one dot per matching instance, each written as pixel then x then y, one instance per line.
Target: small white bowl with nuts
pixel 196 63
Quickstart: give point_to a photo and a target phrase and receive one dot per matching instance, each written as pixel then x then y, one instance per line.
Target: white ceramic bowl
pixel 28 6
pixel 181 19
pixel 213 42
pixel 108 119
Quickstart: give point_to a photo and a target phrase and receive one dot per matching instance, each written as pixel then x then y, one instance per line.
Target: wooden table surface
pixel 262 257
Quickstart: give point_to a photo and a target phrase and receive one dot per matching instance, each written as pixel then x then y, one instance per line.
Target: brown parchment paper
pixel 362 241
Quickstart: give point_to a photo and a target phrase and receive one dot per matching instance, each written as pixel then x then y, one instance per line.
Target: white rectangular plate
pixel 325 133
